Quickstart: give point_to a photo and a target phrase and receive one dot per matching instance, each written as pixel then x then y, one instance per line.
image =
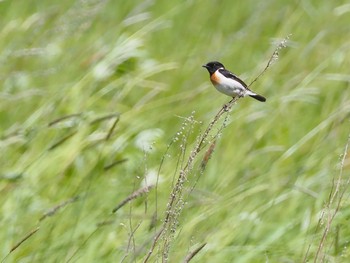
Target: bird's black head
pixel 213 66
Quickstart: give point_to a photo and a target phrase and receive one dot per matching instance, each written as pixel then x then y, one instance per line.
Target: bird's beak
pixel 204 66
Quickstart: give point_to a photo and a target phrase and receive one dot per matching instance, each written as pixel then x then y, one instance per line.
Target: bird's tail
pixel 256 96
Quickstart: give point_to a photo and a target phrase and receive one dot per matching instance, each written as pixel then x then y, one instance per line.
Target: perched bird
pixel 228 83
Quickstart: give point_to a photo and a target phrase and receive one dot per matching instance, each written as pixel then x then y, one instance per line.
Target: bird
pixel 228 83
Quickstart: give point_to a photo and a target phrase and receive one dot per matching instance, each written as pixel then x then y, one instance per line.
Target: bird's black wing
pixel 230 75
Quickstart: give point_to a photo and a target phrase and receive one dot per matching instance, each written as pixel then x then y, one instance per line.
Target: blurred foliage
pixel 93 92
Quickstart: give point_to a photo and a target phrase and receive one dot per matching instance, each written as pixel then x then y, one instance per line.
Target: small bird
pixel 228 83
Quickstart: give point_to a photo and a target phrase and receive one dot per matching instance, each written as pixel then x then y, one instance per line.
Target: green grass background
pixel 269 179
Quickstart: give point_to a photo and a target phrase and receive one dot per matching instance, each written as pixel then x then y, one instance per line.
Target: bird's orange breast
pixel 214 78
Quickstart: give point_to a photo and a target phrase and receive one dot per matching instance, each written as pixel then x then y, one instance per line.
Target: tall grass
pixel 101 103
